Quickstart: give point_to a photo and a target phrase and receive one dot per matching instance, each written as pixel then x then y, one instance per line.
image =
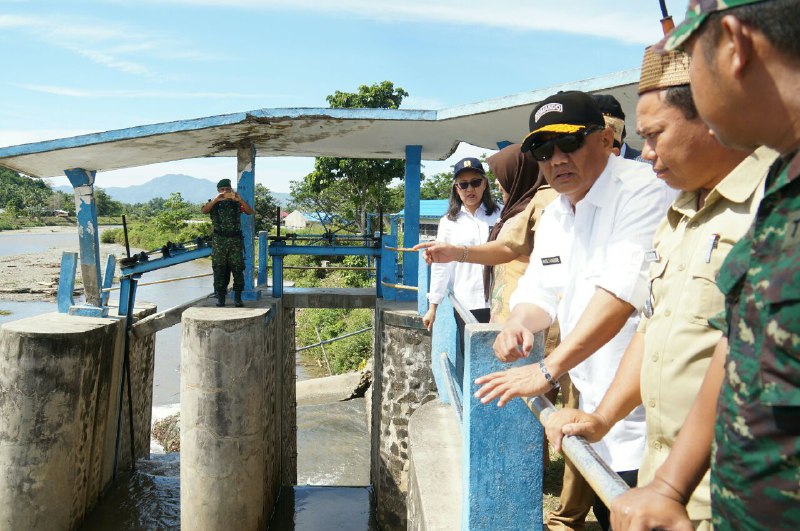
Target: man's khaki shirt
pixel 691 245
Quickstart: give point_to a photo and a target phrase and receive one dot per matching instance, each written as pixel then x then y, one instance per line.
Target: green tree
pixel 436 186
pixel 106 206
pixel 174 215
pixel 363 182
pixel 265 208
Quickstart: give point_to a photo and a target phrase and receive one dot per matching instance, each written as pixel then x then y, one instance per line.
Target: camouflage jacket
pixel 226 218
pixel 755 475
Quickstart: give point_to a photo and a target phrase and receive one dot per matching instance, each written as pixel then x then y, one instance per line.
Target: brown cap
pixel 663 70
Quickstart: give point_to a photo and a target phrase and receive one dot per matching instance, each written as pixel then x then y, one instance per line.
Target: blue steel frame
pixel 411 231
pixel 88 237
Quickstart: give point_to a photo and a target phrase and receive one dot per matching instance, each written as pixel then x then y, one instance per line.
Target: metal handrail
pixel 463 312
pixel 604 481
pixel 452 386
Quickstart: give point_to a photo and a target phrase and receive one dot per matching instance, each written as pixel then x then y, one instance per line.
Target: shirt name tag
pixel 551 260
pixel 651 256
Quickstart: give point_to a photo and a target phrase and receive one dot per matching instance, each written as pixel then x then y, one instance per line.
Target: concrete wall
pixel 59 394
pixel 229 476
pixel 402 382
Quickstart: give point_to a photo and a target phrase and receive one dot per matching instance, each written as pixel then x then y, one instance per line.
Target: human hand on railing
pixel 439 252
pixel 568 421
pixel 512 343
pixel 653 506
pixel 526 380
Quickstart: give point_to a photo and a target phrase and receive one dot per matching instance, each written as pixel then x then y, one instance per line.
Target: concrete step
pixel 313 508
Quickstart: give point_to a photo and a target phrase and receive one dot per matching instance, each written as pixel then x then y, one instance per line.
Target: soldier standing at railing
pixel 665 362
pixel 587 268
pixel 745 74
pixel 227 254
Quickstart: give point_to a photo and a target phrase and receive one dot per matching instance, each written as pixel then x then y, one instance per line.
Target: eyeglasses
pixel 475 183
pixel 566 143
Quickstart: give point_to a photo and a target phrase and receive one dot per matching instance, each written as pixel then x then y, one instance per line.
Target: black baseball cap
pixel 469 163
pixel 609 105
pixel 564 112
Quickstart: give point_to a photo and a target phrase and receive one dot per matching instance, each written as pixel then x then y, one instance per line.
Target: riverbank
pixel 33 276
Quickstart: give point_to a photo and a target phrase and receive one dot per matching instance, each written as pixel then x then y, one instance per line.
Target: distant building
pixel 295 220
pixel 430 212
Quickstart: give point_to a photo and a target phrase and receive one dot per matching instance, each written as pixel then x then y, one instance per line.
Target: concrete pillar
pixel 88 233
pixel 55 398
pixel 224 409
pixel 403 382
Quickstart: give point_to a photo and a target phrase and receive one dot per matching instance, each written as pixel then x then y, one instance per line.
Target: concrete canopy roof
pixel 356 133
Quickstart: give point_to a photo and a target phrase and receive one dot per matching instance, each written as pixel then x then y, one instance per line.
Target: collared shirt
pixel 690 246
pixel 756 462
pixel 599 245
pixel 465 279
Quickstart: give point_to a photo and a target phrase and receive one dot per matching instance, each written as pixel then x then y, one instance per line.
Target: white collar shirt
pixel 465 279
pixel 599 244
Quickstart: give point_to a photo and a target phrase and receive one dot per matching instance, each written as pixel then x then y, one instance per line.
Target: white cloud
pixel 630 21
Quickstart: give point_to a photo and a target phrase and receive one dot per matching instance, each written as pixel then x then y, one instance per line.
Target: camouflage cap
pixel 696 14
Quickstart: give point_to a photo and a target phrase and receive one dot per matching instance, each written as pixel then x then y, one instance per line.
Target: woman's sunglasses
pixel 566 143
pixel 474 183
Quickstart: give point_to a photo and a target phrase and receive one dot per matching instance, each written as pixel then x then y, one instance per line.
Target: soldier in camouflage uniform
pixel 227 256
pixel 745 73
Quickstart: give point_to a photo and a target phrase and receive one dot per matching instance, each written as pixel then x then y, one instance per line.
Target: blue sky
pixel 86 66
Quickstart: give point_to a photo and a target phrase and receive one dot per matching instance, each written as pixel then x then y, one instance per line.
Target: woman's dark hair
pixel 778 20
pixel 681 98
pixel 487 201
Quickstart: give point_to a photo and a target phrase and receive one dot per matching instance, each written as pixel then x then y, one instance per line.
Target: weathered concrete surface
pixel 56 400
pixel 434 483
pixel 330 297
pixel 403 382
pixel 327 389
pixel 227 415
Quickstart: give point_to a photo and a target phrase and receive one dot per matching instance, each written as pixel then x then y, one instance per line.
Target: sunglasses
pixel 566 143
pixel 475 183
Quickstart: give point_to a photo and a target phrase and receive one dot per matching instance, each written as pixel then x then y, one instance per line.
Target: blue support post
pixel 411 231
pixel 277 269
pixel 127 293
pixel 262 258
pixel 245 187
pixel 502 447
pixel 66 281
pixel 423 284
pixel 108 279
pixel 388 267
pixel 88 235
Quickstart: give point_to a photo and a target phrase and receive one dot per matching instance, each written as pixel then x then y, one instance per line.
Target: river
pixel 332 441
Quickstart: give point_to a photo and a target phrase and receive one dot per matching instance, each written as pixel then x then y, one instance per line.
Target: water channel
pixel 333 447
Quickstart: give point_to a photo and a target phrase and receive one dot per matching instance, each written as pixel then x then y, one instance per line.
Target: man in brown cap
pixel 664 365
pixel 745 70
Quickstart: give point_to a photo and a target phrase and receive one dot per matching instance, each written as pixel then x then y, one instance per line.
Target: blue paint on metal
pixel 89 311
pixel 411 233
pixel 428 208
pixel 176 257
pixel 310 250
pixel 501 458
pixel 443 340
pixel 388 271
pixel 275 250
pixel 245 187
pixel 503 143
pixel 108 279
pixel 88 233
pixel 66 281
pixel 262 258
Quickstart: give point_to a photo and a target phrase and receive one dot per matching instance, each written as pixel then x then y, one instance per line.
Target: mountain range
pixel 192 189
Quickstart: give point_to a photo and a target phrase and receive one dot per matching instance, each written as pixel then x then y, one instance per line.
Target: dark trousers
pixel 601 512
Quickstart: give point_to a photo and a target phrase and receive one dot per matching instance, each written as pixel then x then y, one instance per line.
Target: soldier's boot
pixel 237 299
pixel 220 298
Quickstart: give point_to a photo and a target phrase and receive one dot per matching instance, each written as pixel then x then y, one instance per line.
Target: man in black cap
pixel 227 256
pixel 587 269
pixel 614 117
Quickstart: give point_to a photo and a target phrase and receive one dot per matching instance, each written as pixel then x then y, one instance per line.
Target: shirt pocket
pixel 703 297
pixel 780 354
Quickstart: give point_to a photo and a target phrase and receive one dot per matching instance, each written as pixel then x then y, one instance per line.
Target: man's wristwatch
pixel 547 376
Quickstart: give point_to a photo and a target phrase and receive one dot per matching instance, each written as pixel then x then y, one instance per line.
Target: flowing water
pixel 332 442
